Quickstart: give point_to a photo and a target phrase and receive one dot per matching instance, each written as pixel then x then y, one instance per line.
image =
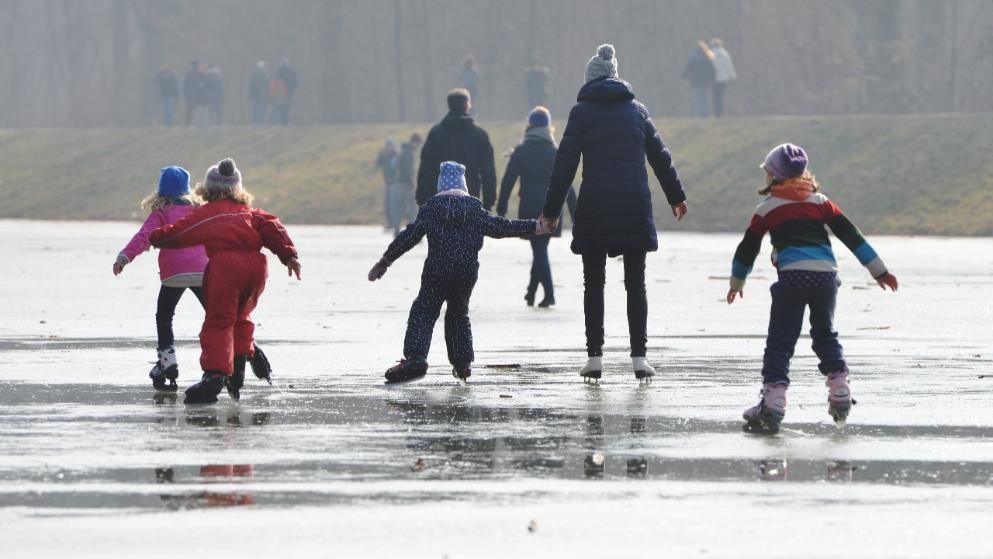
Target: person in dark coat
pixel 457 138
pixel 614 134
pixel 532 163
pixel 455 224
pixel 167 88
pixel 281 90
pixel 215 94
pixel 384 162
pixel 536 85
pixel 257 94
pixel 400 193
pixel 700 72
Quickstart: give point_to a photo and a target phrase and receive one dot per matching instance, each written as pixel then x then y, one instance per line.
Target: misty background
pixel 92 63
pixel 893 99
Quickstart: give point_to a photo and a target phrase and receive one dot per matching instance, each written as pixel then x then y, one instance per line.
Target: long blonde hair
pixel 807 176
pixel 156 201
pixel 238 194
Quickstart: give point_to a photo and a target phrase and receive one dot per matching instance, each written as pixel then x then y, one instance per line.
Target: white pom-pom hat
pixel 603 65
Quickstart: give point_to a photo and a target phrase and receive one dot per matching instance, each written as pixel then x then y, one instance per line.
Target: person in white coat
pixel 724 74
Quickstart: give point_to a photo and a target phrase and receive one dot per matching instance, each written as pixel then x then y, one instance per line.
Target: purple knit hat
pixel 786 161
pixel 539 116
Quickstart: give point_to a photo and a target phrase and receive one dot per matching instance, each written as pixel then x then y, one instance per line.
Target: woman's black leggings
pixel 166 309
pixel 595 275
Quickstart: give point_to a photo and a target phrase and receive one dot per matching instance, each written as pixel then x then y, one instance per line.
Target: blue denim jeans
pixel 541 267
pixel 786 322
pixel 701 101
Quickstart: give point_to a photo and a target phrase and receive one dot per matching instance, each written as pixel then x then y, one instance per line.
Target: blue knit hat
pixel 451 176
pixel 174 181
pixel 539 116
pixel 786 161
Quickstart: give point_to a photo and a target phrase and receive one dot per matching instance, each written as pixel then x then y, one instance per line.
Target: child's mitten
pixel 379 270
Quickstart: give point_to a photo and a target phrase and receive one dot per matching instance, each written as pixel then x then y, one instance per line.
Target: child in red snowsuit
pixel 234 234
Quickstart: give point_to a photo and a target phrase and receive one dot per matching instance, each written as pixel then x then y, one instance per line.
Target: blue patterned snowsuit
pixel 455 226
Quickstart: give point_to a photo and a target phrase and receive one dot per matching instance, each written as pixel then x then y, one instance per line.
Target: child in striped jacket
pixel 797 217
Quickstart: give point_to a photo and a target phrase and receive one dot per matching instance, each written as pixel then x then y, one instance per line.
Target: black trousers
pixel 166 308
pixel 595 276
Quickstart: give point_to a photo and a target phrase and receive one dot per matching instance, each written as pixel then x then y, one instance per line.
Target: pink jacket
pixel 172 262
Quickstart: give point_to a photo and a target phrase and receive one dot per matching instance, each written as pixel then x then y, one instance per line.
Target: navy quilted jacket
pixel 455 227
pixel 614 134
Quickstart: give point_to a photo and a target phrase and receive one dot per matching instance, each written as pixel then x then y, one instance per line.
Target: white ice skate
pixel 593 370
pixel 642 370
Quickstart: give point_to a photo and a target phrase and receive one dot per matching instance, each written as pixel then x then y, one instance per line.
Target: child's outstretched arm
pixel 406 240
pixel 186 232
pixel 744 257
pixel 851 237
pixel 139 242
pixel 499 227
pixel 276 238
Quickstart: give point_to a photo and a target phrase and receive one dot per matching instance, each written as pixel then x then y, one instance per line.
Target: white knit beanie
pixel 603 65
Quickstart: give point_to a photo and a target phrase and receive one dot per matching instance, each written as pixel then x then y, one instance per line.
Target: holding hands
pixel 546 225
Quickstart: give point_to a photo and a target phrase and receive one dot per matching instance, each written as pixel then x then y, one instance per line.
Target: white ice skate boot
pixel 642 370
pixel 592 371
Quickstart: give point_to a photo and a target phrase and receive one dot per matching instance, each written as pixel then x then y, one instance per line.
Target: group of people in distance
pixel 614 136
pixel 203 93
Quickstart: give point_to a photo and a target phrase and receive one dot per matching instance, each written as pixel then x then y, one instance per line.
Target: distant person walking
pixel 282 87
pixel 215 95
pixel 699 71
pixel 536 85
pixel 469 77
pixel 196 94
pixel 257 93
pixel 532 162
pixel 614 134
pixel 724 74
pixel 384 162
pixel 457 138
pixel 167 90
pixel 401 205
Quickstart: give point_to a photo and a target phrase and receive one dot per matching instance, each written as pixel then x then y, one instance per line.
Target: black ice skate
pixel 408 370
pixel 166 371
pixel 237 379
pixel 205 391
pixel 462 372
pixel 260 365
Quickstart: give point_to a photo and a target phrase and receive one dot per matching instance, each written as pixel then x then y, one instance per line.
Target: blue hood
pixel 606 90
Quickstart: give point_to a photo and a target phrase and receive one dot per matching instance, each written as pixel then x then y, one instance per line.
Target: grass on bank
pixel 892 174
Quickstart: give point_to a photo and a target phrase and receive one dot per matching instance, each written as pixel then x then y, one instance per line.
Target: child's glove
pixel 293 267
pixel 120 263
pixel 379 270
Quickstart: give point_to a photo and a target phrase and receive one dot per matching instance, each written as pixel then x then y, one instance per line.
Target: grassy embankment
pixel 899 175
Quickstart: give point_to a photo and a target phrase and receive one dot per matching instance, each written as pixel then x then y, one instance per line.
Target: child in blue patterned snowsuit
pixel 455 224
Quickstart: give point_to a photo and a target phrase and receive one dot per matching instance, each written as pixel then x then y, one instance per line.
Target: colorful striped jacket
pixel 797 220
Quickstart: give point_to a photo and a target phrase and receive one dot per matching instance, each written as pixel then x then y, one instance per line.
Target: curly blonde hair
pixel 156 201
pixel 238 194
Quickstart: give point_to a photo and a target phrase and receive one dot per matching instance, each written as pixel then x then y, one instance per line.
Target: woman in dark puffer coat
pixel 614 134
pixel 532 162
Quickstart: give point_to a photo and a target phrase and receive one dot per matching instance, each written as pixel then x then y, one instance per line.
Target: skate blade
pixel 402 382
pixel 644 377
pixel 591 378
pixel 760 427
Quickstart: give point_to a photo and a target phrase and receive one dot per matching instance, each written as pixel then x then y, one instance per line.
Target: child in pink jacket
pixel 179 269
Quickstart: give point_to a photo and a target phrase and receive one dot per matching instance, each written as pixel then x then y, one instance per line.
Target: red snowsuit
pixel 233 235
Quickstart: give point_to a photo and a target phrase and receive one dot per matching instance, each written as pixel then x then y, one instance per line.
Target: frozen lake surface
pixel 525 460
